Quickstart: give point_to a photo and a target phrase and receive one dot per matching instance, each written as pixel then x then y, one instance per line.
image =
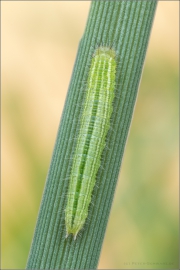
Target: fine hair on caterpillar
pixel 95 117
pixel 62 226
pixel 63 198
pixel 88 219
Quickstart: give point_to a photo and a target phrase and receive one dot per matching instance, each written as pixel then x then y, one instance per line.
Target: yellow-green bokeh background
pixel 39 45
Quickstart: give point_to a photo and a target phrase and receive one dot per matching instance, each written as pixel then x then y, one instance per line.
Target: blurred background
pixel 39 45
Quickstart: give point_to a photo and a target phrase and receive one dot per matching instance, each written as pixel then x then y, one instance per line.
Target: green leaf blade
pixel 126 26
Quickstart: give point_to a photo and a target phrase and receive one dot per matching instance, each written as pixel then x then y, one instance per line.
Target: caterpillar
pixel 94 126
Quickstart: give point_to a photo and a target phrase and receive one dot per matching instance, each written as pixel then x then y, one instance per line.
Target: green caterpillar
pixel 94 125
